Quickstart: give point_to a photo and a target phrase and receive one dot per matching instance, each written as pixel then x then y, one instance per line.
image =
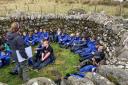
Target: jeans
pixel 41 64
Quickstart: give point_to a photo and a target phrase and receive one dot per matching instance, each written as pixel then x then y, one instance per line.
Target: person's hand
pixel 36 48
pixel 93 53
pixel 93 59
pixel 43 59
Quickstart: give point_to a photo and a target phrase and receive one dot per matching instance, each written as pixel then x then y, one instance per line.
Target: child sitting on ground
pixel 47 56
pixel 4 56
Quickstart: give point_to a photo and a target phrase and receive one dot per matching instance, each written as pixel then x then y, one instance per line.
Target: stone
pixel 126 66
pixel 40 81
pixel 3 83
pixel 121 66
pixel 125 23
pixel 76 11
pixel 116 75
pixel 82 81
pixel 98 79
pixel 123 55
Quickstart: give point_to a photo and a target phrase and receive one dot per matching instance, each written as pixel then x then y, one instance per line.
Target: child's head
pixel 77 34
pixel 35 31
pixel 99 47
pixel 1 47
pixel 30 33
pixel 15 27
pixel 58 29
pixel 72 34
pixel 41 30
pixel 45 43
pixel 24 33
pixel 44 30
pixel 93 38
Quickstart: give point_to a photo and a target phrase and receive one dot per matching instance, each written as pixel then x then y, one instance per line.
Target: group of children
pixel 88 47
pixel 90 50
pixel 31 38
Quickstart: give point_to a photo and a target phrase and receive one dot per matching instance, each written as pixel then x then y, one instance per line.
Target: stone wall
pixel 110 29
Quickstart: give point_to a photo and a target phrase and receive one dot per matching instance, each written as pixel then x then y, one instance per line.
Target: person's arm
pixel 94 61
pixel 42 56
pixel 21 47
pixel 46 56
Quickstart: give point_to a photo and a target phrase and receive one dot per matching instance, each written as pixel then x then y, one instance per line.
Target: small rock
pixel 77 81
pixel 40 81
pixel 118 76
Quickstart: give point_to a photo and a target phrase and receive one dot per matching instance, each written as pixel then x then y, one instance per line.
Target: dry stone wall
pixel 111 31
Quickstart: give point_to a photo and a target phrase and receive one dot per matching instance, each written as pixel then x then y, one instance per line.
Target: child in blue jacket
pixel 36 36
pixel 40 34
pixel 4 57
pixel 45 35
pixel 30 40
pixel 58 33
pixel 77 39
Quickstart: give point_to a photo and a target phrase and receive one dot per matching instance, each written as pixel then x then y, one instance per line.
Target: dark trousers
pixel 37 56
pixel 41 64
pixel 23 70
pixel 21 67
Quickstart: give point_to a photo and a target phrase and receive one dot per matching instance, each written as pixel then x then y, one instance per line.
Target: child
pixel 79 45
pixel 70 40
pixel 77 38
pixel 36 36
pixel 47 56
pixel 58 33
pixel 51 35
pixel 45 35
pixel 25 37
pixel 40 35
pixel 4 57
pixel 38 51
pixel 30 40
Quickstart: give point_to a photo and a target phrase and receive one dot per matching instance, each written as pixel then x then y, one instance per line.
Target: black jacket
pixel 16 42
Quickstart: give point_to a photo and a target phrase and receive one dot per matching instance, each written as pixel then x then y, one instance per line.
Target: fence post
pixel 28 8
pixel 95 6
pixel 121 7
pixel 54 10
pixel 41 10
pixel 16 7
pixel 6 12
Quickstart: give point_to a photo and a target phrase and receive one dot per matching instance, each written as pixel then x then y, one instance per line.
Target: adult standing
pixel 16 42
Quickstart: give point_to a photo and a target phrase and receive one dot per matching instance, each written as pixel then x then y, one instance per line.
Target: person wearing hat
pixel 16 42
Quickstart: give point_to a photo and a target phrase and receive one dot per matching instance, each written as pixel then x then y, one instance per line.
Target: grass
pixel 49 6
pixel 65 60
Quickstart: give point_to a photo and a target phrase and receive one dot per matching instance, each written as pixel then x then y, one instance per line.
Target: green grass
pixel 49 6
pixel 65 62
